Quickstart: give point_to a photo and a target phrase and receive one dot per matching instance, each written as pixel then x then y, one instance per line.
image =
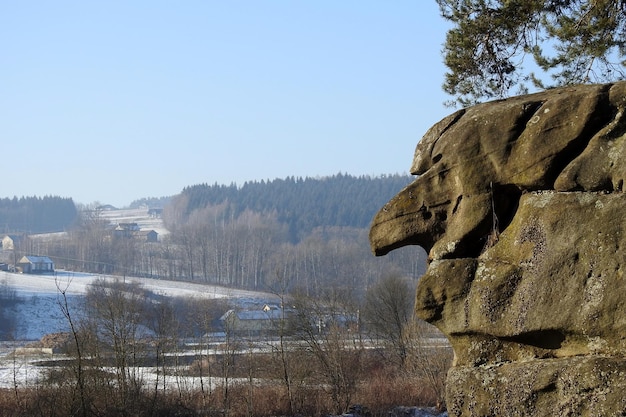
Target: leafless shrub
pixel 429 358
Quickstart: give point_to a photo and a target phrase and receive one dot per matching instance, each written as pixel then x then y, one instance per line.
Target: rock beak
pixel 405 220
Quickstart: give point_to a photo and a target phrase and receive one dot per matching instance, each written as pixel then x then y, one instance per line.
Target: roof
pixel 144 232
pixel 254 315
pixel 127 226
pixel 36 259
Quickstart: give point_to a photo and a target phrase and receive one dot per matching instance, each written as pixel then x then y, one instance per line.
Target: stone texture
pixel 519 204
pixel 572 387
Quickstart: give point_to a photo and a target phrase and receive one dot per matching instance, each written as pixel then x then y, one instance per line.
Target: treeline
pixel 251 251
pixel 254 251
pixel 293 233
pixel 36 214
pixel 152 202
pixel 302 204
pixel 305 234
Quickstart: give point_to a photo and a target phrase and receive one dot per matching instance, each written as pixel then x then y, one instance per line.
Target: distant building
pixel 265 320
pixel 126 229
pixel 11 242
pixel 131 227
pixel 30 264
pixel 155 212
pixel 146 236
pixel 132 231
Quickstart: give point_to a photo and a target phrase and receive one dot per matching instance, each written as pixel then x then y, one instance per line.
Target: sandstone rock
pixel 572 387
pixel 519 203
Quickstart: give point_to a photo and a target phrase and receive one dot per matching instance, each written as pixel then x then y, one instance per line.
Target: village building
pixel 11 242
pixel 31 264
pixel 155 213
pixel 268 319
pixel 132 230
pixel 146 236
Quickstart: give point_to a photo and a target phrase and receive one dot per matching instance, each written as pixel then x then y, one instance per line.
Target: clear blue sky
pixel 111 101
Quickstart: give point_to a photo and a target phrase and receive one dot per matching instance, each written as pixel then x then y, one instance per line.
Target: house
pixel 133 227
pixel 155 213
pixel 146 235
pixel 126 229
pixel 30 264
pixel 132 231
pixel 267 319
pixel 11 242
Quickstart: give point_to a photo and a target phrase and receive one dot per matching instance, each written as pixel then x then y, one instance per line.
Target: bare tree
pixel 280 288
pixel 8 298
pixel 78 346
pixel 94 249
pixel 201 316
pixel 115 310
pixel 164 325
pixel 429 356
pixel 387 311
pixel 230 347
pixel 330 328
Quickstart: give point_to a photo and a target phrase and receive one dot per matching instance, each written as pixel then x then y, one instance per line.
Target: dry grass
pixel 379 392
pixel 257 388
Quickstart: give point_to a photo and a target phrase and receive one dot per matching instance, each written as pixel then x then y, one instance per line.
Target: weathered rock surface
pixel 520 205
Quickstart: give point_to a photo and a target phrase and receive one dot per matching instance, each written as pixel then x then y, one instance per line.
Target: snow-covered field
pixel 38 313
pixel 139 216
pixel 36 309
pixel 76 283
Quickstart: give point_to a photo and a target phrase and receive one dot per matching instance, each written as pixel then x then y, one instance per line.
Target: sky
pixel 113 101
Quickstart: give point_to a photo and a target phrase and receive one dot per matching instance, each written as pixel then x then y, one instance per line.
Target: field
pixel 139 216
pixel 36 312
pixel 208 374
pixel 250 368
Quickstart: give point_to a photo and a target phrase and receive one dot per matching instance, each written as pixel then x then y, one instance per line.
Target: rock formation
pixel 519 203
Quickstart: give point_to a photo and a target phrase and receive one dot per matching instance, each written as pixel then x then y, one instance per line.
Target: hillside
pixel 31 302
pixel 136 215
pixel 304 233
pixel 303 204
pixel 36 214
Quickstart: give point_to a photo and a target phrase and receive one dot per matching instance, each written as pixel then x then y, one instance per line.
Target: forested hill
pixel 302 203
pixel 36 214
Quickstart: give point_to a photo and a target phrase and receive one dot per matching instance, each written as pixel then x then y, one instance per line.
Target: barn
pixel 30 264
